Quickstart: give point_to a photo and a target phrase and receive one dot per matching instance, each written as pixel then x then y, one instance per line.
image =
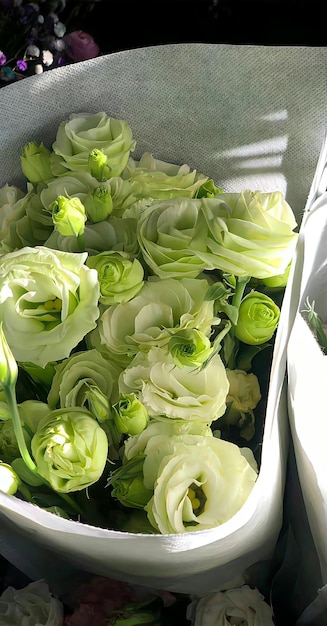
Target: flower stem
pixel 19 434
pixel 81 242
pixel 239 290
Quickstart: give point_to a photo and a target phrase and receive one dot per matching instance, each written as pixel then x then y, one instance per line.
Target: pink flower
pixel 80 46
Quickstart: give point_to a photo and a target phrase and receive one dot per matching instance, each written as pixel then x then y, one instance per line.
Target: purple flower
pixel 22 65
pixel 3 58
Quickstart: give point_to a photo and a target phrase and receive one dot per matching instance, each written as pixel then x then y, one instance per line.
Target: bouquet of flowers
pixel 133 301
pixel 138 322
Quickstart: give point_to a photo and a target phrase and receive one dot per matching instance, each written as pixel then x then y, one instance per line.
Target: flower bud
pixel 277 282
pixel 35 162
pixel 130 415
pixel 189 347
pixel 98 403
pixel 136 618
pixel 128 485
pixel 9 481
pixel 98 165
pixel 208 190
pixel 68 215
pixel 257 319
pixel 99 205
pixel 8 365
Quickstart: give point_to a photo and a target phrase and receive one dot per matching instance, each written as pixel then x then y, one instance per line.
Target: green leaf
pixel 25 474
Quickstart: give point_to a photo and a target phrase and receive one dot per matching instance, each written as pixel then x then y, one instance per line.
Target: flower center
pixel 197 498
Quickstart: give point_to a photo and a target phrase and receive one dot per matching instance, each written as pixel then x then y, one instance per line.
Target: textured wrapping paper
pixel 249 117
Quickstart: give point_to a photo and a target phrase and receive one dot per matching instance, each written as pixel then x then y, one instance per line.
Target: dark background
pixel 121 24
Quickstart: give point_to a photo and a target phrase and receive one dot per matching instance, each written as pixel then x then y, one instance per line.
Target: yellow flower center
pixel 53 305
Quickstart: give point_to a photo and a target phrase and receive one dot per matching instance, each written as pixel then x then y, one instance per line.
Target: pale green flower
pixel 68 216
pixel 77 374
pixel 9 483
pixel 179 393
pixel 83 132
pixel 160 308
pixel 173 238
pixel 240 605
pixel 244 390
pixel 188 347
pixel 70 449
pixel 135 445
pixel 257 319
pixel 30 606
pixel 48 302
pixel 153 178
pixel 199 482
pixel 115 234
pixel 251 233
pixel 120 277
pixel 13 204
pixel 130 415
pixel 35 162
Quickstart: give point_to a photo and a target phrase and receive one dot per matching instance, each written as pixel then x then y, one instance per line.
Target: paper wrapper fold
pixel 249 117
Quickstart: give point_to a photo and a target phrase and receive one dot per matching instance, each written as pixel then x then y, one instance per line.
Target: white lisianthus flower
pixel 82 132
pixel 161 307
pixel 244 390
pixel 78 373
pixel 153 178
pixel 199 482
pixel 251 233
pixel 135 445
pixel 115 234
pixel 70 449
pixel 14 230
pixel 179 393
pixel 241 606
pixel 173 238
pixel 33 605
pixel 48 302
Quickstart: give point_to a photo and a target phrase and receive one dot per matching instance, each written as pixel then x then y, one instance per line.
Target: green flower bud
pixel 130 415
pixel 35 162
pixel 128 485
pixel 68 216
pixel 120 278
pixel 189 347
pixel 9 481
pixel 8 365
pixel 277 282
pixel 70 449
pixel 257 320
pixel 98 165
pixel 98 403
pixel 99 205
pixel 9 449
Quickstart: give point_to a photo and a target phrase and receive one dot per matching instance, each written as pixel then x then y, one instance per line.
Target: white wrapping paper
pixel 307 384
pixel 249 117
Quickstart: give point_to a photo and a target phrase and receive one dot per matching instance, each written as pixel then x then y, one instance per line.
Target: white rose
pixel 179 393
pixel 33 605
pixel 241 606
